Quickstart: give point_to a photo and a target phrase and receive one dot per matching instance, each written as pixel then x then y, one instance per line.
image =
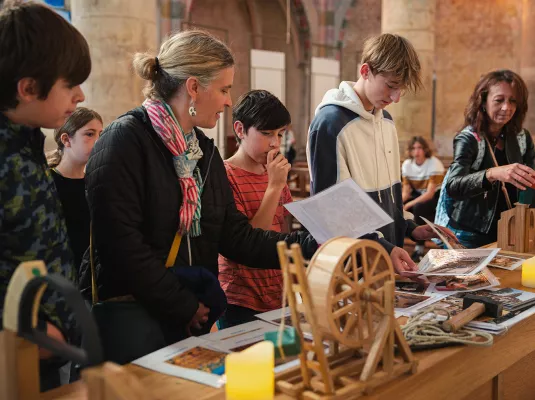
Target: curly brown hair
pixel 475 114
pixel 419 139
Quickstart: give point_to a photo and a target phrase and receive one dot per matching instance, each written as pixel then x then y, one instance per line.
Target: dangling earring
pixel 192 109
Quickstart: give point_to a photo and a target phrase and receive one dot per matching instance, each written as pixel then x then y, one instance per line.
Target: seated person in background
pixel 257 175
pixel 75 140
pixel 422 175
pixel 40 77
pixel 493 130
pixel 287 147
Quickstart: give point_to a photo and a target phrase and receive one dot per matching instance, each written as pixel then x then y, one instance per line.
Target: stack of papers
pixel 512 299
pixel 202 359
pixel 409 303
pixel 518 305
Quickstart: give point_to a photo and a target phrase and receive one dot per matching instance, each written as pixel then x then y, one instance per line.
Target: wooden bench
pixel 299 182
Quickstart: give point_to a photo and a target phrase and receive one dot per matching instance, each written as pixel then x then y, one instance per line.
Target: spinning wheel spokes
pixel 351 305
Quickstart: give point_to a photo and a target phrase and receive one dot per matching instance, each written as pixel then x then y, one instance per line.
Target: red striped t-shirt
pixel 258 289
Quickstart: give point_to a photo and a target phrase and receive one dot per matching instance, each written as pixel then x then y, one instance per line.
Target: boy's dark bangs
pixel 271 118
pixel 76 61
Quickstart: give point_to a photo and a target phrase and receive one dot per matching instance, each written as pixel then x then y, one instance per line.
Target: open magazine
pixel 506 262
pixel 455 262
pixel 449 242
pixel 451 284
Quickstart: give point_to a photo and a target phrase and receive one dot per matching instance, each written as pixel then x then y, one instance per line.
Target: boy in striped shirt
pixel 257 174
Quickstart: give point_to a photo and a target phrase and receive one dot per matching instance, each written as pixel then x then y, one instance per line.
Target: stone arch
pixel 331 20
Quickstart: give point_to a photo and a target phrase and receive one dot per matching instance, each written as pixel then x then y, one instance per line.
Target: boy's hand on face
pixel 277 168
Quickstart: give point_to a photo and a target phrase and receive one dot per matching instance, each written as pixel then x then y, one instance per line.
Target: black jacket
pixel 134 198
pixel 475 197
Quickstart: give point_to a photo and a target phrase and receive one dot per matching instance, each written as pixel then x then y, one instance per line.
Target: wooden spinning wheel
pixel 350 307
pixel 344 298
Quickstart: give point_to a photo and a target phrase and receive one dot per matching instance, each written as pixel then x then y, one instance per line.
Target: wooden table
pixel 505 370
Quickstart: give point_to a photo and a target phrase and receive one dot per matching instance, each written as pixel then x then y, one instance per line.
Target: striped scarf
pixel 185 157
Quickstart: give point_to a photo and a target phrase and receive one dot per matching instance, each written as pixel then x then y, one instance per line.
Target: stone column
pixel 115 31
pixel 527 60
pixel 414 20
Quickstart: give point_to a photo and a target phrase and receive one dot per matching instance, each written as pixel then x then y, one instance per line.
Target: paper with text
pixel 341 210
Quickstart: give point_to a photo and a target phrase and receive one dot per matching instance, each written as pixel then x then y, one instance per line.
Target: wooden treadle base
pixel 345 369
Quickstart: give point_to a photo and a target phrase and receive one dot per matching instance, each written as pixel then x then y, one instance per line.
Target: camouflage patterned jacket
pixel 32 226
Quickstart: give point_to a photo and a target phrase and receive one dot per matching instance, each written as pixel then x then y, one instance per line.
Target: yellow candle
pixel 250 373
pixel 528 273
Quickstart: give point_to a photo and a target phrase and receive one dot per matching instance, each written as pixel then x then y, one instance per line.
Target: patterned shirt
pixel 32 226
pixel 258 289
pixel 419 176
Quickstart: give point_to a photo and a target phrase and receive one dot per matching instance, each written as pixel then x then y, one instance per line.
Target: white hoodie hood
pixel 367 146
pixel 345 96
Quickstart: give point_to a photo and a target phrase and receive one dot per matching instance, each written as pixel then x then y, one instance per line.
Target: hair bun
pixel 146 66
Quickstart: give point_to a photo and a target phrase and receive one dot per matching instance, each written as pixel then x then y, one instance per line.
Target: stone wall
pixel 363 21
pixel 472 38
pixel 231 20
pixel 115 31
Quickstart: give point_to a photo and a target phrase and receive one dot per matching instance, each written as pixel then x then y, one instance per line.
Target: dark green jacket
pixel 32 226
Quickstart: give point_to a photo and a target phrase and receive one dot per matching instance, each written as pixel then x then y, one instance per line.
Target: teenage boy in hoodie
pixel 351 136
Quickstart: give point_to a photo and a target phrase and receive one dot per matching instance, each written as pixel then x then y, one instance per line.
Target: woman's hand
pixel 517 174
pixel 200 317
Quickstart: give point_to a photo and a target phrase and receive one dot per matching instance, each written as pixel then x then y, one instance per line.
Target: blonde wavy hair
pixel 393 54
pixel 186 54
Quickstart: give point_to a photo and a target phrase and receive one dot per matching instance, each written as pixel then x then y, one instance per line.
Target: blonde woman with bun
pixel 154 182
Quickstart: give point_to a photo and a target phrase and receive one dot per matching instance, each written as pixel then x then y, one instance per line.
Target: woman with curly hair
pixel 493 160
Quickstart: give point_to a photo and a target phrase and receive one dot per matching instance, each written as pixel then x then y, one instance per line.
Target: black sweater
pixel 72 196
pixel 134 198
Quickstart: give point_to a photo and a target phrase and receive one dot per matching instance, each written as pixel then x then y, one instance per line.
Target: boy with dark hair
pixel 257 174
pixel 351 136
pixel 44 61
